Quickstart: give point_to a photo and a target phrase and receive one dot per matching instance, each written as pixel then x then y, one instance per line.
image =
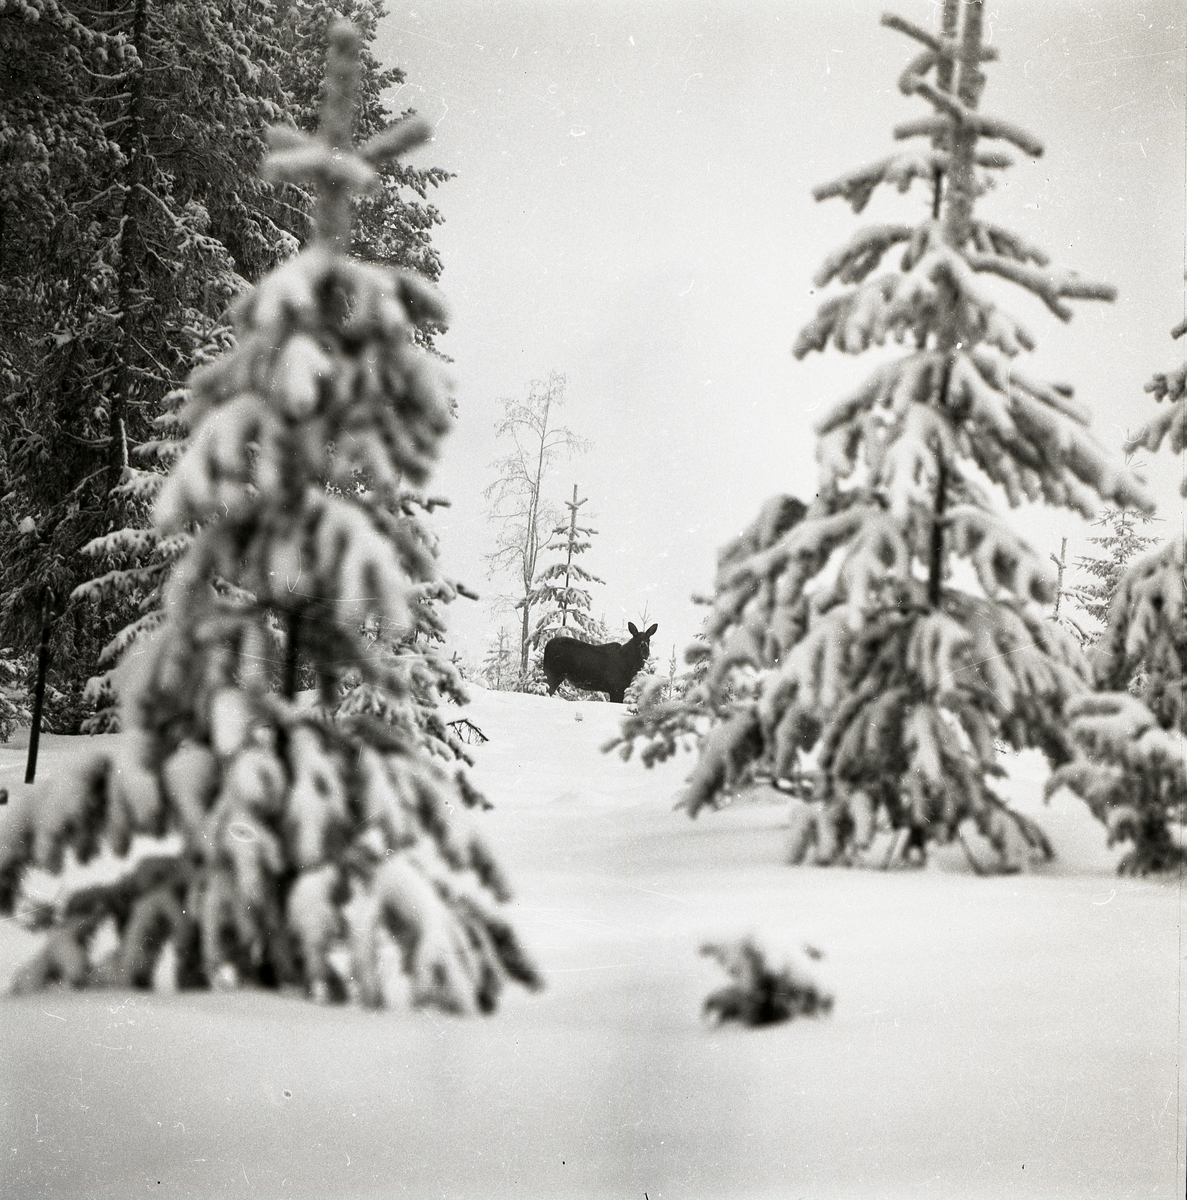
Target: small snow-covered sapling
pixel 763 994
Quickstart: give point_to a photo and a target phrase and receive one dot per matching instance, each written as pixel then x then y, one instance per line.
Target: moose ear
pixel 651 631
pixel 631 626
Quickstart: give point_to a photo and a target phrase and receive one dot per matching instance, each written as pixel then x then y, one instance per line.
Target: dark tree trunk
pixel 39 689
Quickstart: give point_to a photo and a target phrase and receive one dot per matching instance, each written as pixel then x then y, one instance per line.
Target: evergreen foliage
pixel 762 993
pixel 414 654
pixel 14 691
pixel 137 559
pixel 1171 422
pixel 1131 737
pixel 297 841
pixel 560 592
pixel 131 135
pixel 391 226
pixel 1120 542
pixel 664 719
pixel 896 631
pixel 499 667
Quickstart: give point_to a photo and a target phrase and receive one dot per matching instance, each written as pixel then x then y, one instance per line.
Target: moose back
pixel 607 668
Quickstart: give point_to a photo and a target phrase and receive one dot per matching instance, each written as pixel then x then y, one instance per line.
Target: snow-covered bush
pixel 767 987
pixel 1132 737
pixel 296 841
pixel 896 630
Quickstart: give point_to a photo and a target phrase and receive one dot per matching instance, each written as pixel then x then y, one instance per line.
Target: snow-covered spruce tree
pixel 499 667
pixel 294 834
pixel 560 593
pixel 897 629
pixel 1120 542
pixel 1132 734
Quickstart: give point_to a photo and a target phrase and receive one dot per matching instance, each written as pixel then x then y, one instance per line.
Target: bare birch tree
pixel 524 518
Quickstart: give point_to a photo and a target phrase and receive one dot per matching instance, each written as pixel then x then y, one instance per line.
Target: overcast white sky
pixel 633 209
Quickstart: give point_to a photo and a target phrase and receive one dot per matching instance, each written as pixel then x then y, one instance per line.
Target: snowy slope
pixel 991 1037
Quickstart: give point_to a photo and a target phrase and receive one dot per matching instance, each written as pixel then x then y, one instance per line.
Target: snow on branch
pixel 1049 286
pixel 864 251
pixel 993 239
pixel 1169 385
pixel 1114 725
pixel 1002 559
pixel 856 187
pixel 751 585
pixel 121 543
pixel 1005 377
pixel 725 756
pixel 962 116
pixel 942 47
pixel 919 300
pixel 894 385
pixel 1170 423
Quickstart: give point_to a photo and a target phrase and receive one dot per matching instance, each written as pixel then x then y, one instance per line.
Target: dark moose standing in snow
pixel 606 668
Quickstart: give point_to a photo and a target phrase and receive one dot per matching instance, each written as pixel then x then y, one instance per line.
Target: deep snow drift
pixel 991 1036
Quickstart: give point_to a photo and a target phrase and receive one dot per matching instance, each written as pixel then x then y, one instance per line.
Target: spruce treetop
pixel 1028 437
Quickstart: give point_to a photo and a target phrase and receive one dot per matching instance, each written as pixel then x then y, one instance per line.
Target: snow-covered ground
pixel 992 1037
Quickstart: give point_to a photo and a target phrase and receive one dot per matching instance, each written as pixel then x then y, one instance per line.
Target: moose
pixel 607 668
